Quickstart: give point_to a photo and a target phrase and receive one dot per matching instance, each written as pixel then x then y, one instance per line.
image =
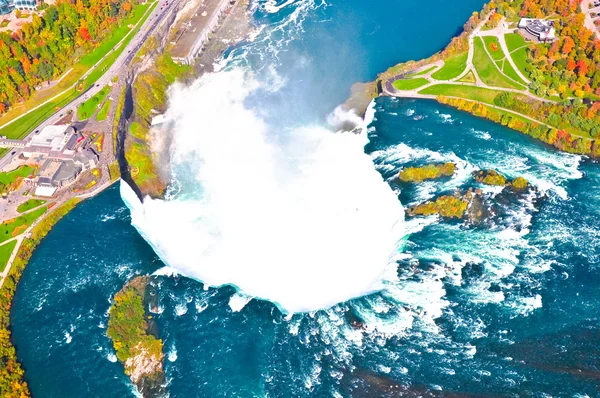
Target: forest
pixel 57 38
pixel 568 67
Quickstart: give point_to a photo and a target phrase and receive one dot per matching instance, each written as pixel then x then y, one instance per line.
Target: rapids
pixel 505 308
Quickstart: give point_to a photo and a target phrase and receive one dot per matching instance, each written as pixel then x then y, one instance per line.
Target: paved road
pixel 589 22
pixel 118 68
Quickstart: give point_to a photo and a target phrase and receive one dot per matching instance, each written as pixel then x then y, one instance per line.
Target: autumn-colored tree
pixel 84 33
pixel 45 48
pixel 582 67
pixel 568 45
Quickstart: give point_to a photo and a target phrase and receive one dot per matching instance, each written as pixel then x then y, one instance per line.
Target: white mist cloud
pixel 300 218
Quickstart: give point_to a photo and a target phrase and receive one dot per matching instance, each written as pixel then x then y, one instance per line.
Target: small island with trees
pixel 138 349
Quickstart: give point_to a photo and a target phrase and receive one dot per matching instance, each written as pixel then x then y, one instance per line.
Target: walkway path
pixel 499 32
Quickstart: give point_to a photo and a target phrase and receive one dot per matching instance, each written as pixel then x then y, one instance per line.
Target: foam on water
pixel 274 213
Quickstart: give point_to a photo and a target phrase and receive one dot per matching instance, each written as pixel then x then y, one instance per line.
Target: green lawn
pixel 87 109
pixel 24 125
pixel 491 42
pixel 452 68
pixel 22 222
pixel 10 177
pixel 468 92
pixel 468 78
pixel 423 72
pixel 510 72
pixel 5 252
pixel 520 59
pixel 103 112
pixel 514 41
pixel 30 204
pixel 486 69
pixel 139 131
pixel 410 84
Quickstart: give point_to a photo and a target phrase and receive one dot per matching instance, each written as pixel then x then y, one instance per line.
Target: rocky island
pixel 129 328
pixel 427 172
pixel 471 204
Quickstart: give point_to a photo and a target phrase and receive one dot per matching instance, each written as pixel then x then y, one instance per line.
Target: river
pixel 506 307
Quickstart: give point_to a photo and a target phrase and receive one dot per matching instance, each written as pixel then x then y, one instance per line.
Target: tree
pixel 568 45
pixel 582 67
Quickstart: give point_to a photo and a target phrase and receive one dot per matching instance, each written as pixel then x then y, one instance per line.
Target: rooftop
pixel 52 137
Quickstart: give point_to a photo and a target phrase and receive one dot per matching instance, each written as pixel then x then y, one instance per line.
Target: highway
pixel 116 69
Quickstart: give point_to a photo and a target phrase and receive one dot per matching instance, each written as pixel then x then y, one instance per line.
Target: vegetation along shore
pixel 547 87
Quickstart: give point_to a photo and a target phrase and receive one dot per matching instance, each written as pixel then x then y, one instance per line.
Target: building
pixel 7 6
pixel 67 154
pixel 157 120
pixel 52 141
pixel 58 173
pixel 25 4
pixel 538 28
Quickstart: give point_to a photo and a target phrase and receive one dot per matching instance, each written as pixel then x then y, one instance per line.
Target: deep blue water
pixel 505 308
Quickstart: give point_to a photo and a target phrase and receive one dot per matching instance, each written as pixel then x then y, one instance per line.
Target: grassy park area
pixel 24 125
pixel 514 41
pixel 16 226
pixel 469 92
pixel 30 204
pixel 468 78
pixel 487 70
pixel 493 46
pixel 8 178
pixel 103 112
pixel 87 109
pixel 410 84
pixel 5 252
pixel 452 68
pixel 423 72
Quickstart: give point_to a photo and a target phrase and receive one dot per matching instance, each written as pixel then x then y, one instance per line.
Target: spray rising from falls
pixel 299 217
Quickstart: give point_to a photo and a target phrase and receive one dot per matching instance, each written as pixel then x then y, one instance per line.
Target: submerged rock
pixel 130 329
pixel 427 172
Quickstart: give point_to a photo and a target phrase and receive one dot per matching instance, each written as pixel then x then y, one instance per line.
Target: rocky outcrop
pixel 427 172
pixel 447 206
pixel 129 328
pixel 519 184
pixel 490 177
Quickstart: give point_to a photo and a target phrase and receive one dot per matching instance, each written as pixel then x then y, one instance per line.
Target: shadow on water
pixel 121 136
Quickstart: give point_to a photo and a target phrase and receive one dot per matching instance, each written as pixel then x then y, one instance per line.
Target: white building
pixel 542 30
pixel 52 141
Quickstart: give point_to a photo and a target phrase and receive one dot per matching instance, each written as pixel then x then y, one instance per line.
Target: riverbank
pixel 12 382
pixel 144 145
pixel 488 71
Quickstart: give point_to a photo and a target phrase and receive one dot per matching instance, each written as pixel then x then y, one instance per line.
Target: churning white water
pixel 299 217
